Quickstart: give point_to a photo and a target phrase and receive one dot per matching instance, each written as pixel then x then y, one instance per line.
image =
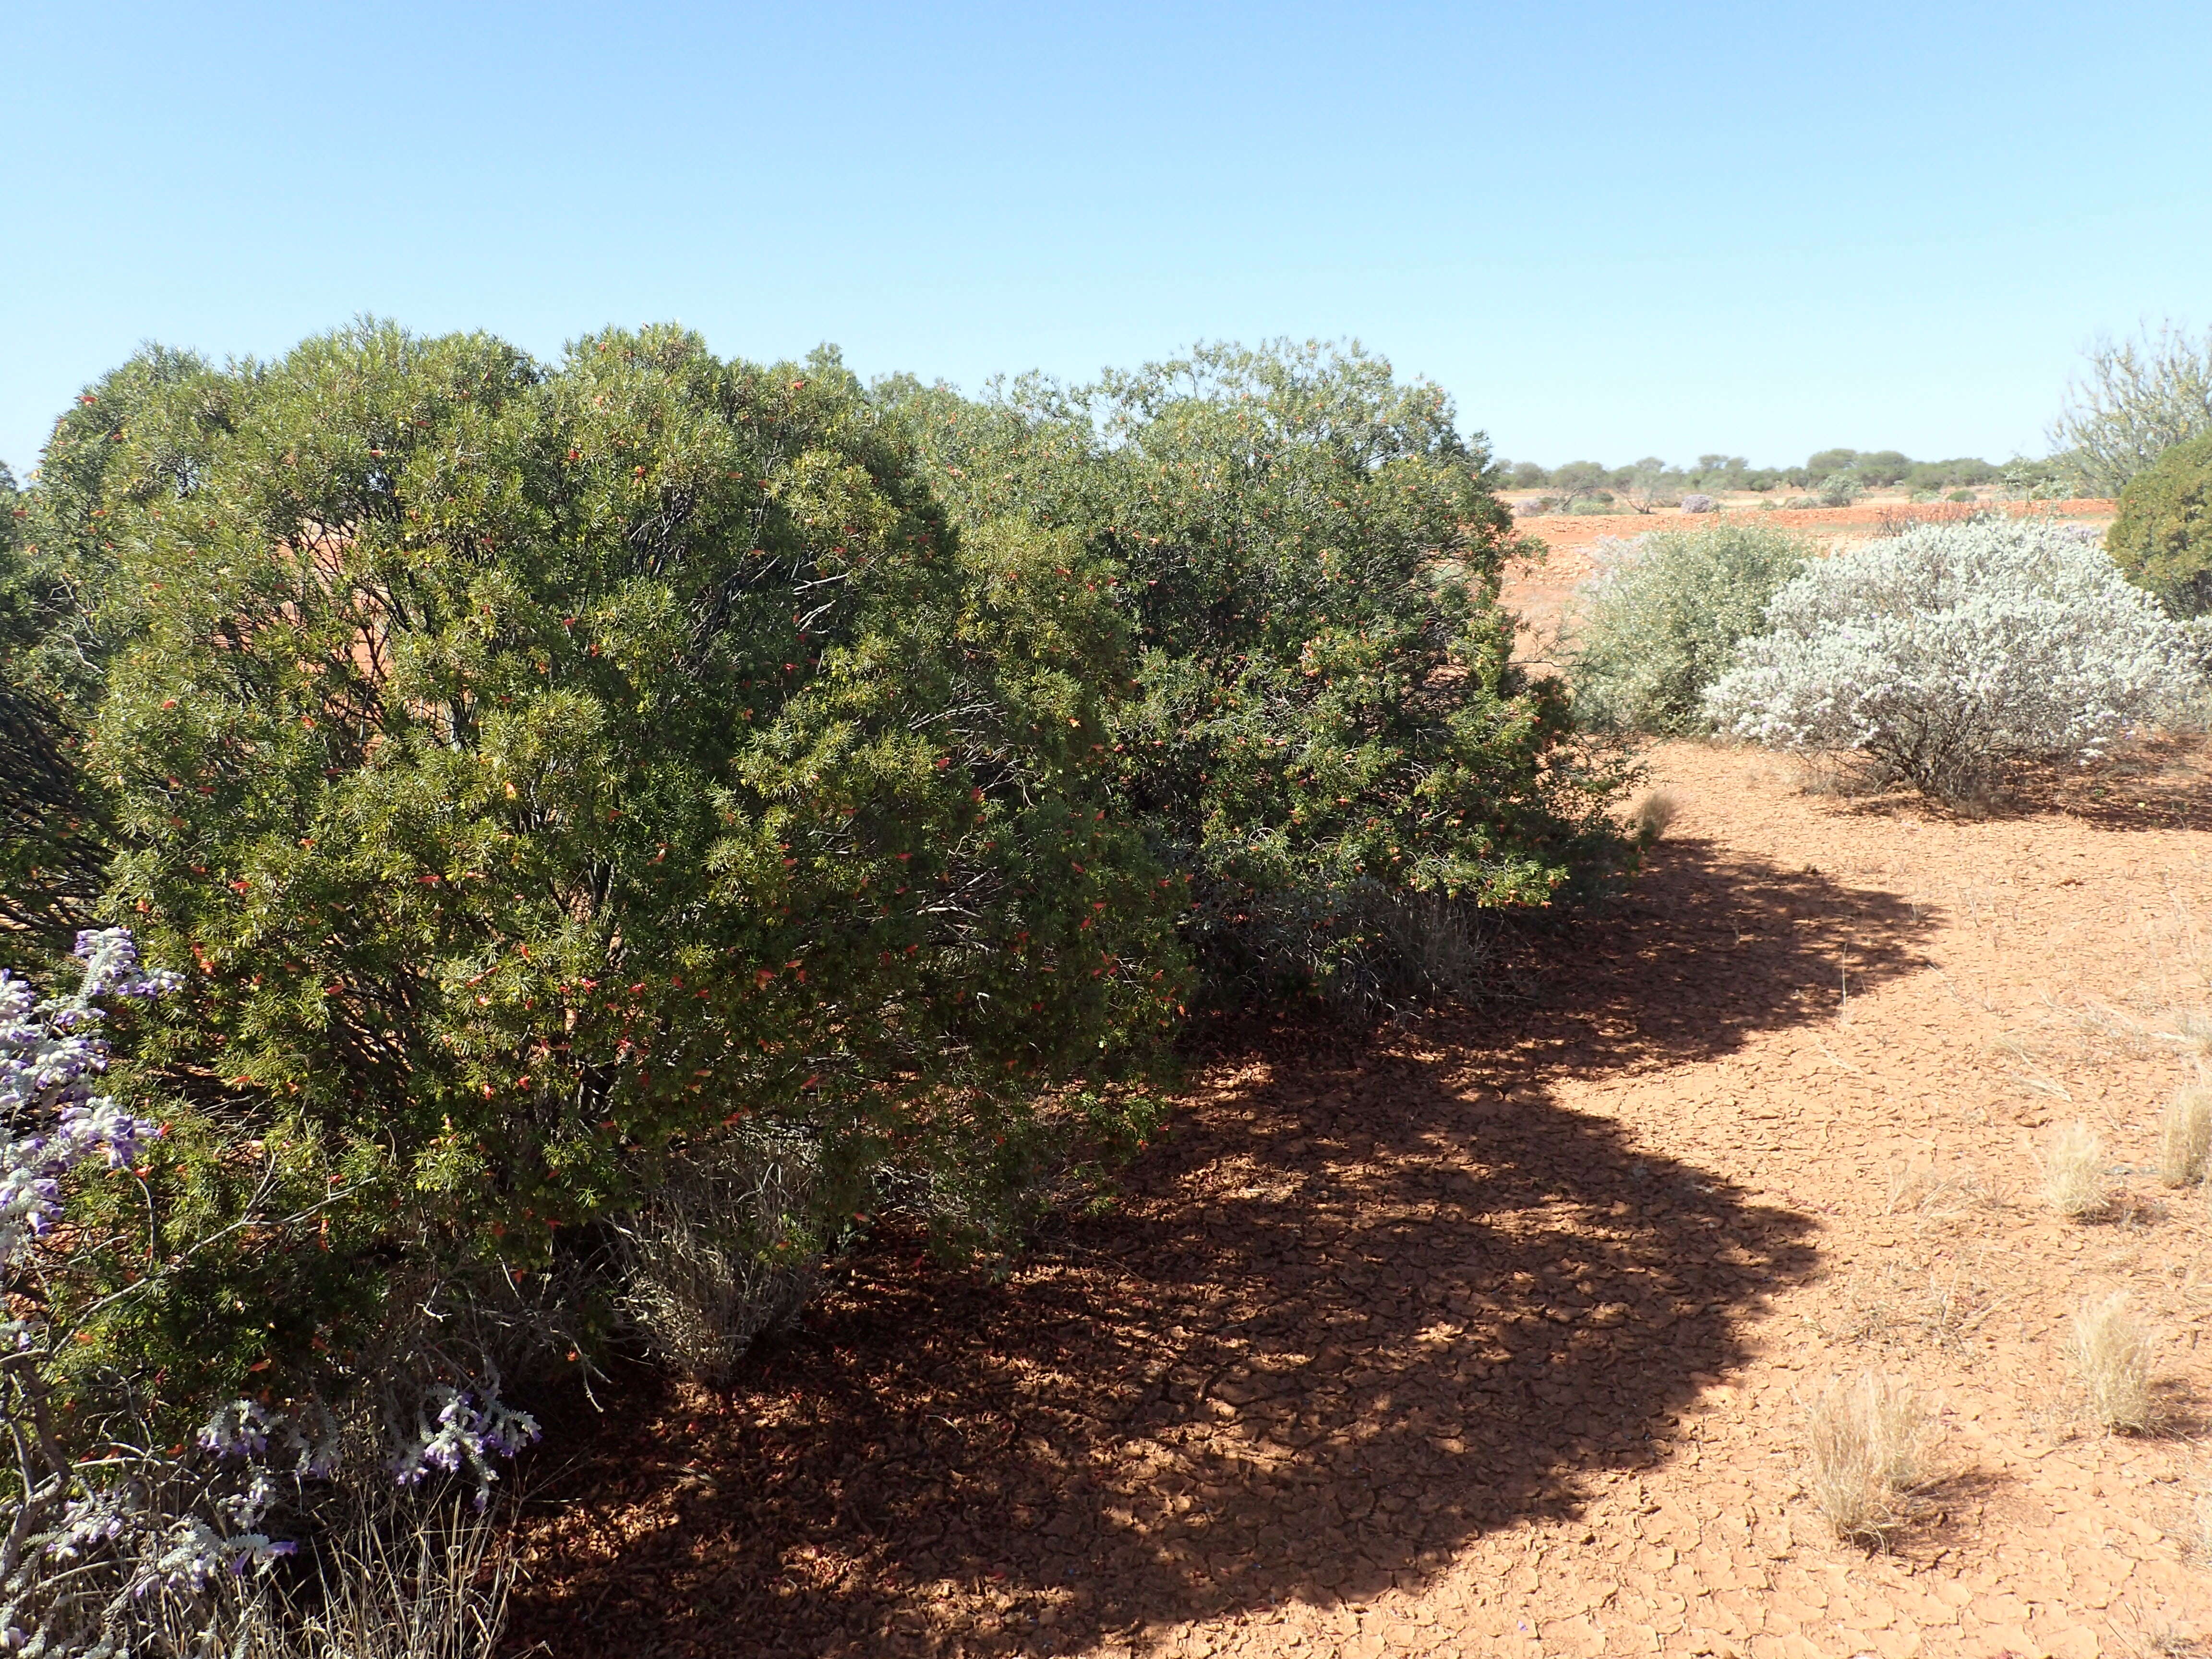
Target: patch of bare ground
pixel 1495 1336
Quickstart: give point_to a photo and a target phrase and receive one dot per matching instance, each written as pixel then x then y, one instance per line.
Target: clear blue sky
pixel 1609 229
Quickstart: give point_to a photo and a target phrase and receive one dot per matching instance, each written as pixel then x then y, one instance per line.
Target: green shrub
pixel 543 774
pixel 2135 400
pixel 1962 495
pixel 1662 621
pixel 57 553
pixel 1838 489
pixel 1331 741
pixel 1962 471
pixel 1573 481
pixel 50 853
pixel 2162 538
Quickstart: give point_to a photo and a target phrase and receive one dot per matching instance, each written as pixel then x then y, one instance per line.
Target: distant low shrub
pixel 1661 620
pixel 1962 495
pixel 1800 503
pixel 1948 475
pixel 1573 480
pixel 2047 478
pixel 1940 654
pixel 2162 538
pixel 1697 503
pixel 1839 489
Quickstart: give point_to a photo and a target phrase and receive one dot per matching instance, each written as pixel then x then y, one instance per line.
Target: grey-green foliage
pixel 2134 401
pixel 1661 621
pixel 1942 653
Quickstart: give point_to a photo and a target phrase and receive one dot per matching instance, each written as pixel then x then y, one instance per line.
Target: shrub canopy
pixel 2162 538
pixel 1327 720
pixel 1942 652
pixel 1660 622
pixel 2133 401
pixel 537 770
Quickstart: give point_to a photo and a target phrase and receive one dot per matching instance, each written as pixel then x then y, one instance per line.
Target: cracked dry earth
pixel 1487 1337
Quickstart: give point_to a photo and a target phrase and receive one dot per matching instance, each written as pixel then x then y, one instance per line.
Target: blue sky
pixel 1609 229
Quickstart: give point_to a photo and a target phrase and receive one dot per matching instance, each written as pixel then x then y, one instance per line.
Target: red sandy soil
pixel 1489 1335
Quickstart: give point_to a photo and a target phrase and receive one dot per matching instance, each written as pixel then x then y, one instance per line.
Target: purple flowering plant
pixel 50 1050
pixel 98 1529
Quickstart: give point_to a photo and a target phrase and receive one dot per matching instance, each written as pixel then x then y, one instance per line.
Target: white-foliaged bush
pixel 1942 652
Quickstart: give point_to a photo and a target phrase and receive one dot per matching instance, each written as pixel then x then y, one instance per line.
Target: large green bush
pixel 2162 538
pixel 542 773
pixel 1330 741
pixel 1661 623
pixel 616 830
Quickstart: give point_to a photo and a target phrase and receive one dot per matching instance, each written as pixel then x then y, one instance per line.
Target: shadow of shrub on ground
pixel 1364 1303
pixel 2155 783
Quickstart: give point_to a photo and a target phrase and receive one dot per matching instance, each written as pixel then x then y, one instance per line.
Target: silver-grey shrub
pixel 1661 620
pixel 1940 654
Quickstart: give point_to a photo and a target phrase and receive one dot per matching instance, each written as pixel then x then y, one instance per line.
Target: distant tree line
pixel 1644 481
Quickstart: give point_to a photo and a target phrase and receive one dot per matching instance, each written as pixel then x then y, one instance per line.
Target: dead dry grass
pixel 2185 1136
pixel 1655 814
pixel 1867 1436
pixel 2112 1352
pixel 2074 1171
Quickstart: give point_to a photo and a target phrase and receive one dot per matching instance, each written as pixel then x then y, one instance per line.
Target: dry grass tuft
pixel 2189 1030
pixel 2074 1170
pixel 1655 814
pixel 2112 1352
pixel 2187 1137
pixel 394 1577
pixel 1867 1437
